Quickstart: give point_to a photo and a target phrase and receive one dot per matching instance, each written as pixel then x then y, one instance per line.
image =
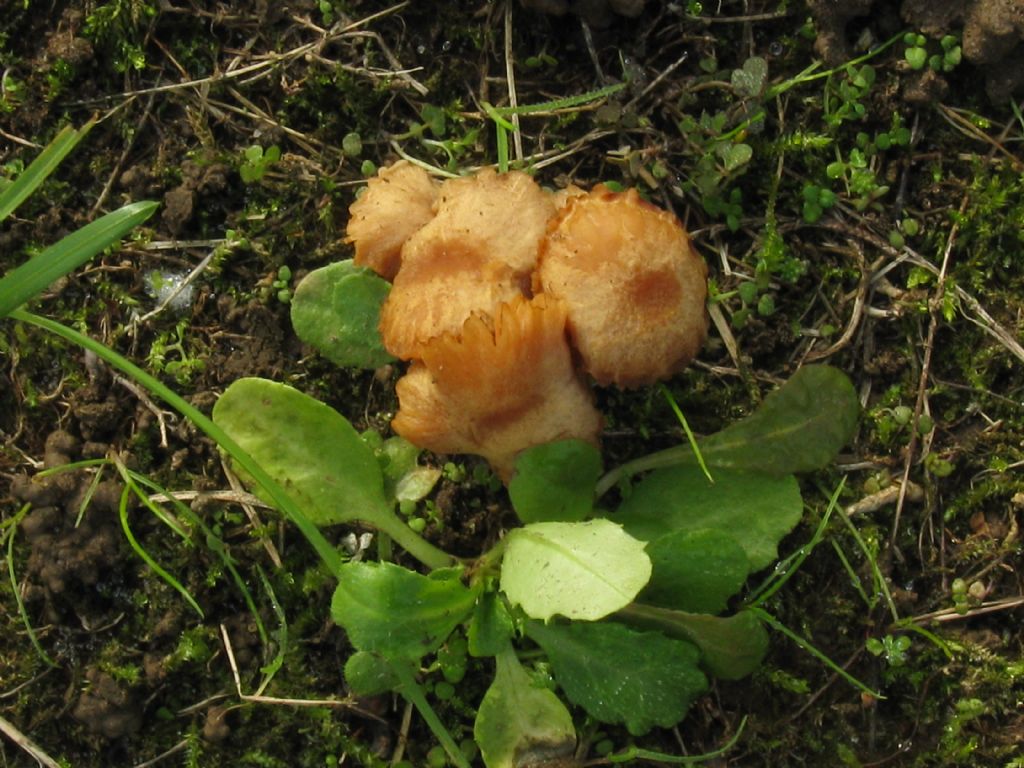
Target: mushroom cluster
pixel 505 297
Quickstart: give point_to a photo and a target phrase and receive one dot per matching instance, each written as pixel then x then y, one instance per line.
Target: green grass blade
pixel 213 542
pixel 550 106
pixel 689 432
pixel 330 556
pixel 131 488
pixel 32 277
pixel 778 626
pixel 17 593
pixel 40 168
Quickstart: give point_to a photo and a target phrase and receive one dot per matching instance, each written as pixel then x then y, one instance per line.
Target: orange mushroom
pixel 397 202
pixel 634 287
pixel 478 251
pixel 503 214
pixel 506 383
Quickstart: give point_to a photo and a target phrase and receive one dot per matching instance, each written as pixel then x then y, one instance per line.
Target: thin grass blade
pixel 40 168
pixel 32 277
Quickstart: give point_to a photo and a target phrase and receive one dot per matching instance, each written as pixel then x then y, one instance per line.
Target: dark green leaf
pixel 491 626
pixel 367 674
pixel 555 481
pixel 308 447
pixel 731 647
pixel 396 612
pixel 619 675
pixel 336 309
pixel 798 428
pixel 696 571
pixel 519 724
pixel 754 510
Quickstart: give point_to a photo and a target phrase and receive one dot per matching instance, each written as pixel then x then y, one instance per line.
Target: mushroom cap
pixel 437 289
pixel 478 251
pixel 397 202
pixel 503 214
pixel 633 285
pixel 506 383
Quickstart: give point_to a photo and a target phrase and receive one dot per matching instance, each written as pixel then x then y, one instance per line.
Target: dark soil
pixel 135 675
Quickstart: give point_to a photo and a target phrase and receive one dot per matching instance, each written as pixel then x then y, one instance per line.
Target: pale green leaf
pixel 306 446
pixel 620 675
pixel 519 724
pixel 578 570
pixel 555 481
pixel 336 309
pixel 396 612
pixel 754 510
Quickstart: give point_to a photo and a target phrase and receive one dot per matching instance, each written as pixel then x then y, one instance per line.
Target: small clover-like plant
pixel 256 161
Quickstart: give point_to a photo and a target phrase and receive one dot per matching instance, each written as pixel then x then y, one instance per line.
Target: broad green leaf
pixel 317 457
pixel 732 647
pixel 368 674
pixel 396 612
pixel 519 724
pixel 308 447
pixel 555 481
pixel 798 428
pixel 31 278
pixel 491 627
pixel 336 309
pixel 754 510
pixel 620 675
pixel 696 571
pixel 579 570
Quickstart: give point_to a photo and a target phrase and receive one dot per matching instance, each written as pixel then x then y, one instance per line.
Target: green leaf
pixel 555 482
pixel 396 612
pixel 317 457
pixel 696 571
pixel 749 81
pixel 735 155
pixel 731 647
pixel 519 724
pixel 367 674
pixel 579 570
pixel 31 278
pixel 404 479
pixel 620 675
pixel 754 510
pixel 798 428
pixel 336 309
pixel 308 447
pixel 491 626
